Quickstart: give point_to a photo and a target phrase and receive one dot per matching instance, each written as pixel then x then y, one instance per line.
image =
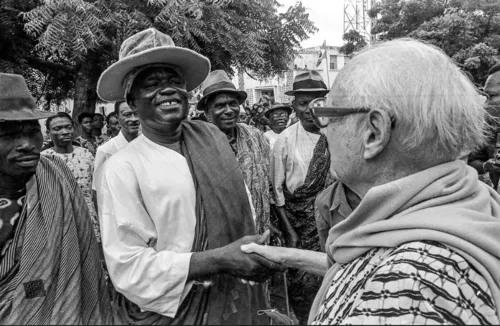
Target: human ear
pixel 377 133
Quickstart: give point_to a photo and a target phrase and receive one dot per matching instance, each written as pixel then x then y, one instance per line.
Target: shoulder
pixel 128 155
pixel 325 198
pixel 107 147
pixel 83 152
pixel 53 164
pixel 430 272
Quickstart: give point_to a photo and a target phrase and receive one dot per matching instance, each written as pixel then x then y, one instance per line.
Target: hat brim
pixel 24 114
pixel 306 90
pixel 241 96
pixel 194 66
pixel 286 107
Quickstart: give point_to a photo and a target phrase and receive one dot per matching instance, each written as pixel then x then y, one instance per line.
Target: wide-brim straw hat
pixel 277 106
pixel 151 47
pixel 16 102
pixel 309 81
pixel 218 82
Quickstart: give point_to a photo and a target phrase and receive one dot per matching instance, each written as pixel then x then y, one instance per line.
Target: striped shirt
pixel 416 283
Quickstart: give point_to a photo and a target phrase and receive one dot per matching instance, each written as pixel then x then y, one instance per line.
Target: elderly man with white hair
pixel 422 244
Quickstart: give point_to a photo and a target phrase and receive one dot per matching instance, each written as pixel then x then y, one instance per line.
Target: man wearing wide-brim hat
pixel 221 102
pixel 278 116
pixel 300 164
pixel 47 242
pixel 173 204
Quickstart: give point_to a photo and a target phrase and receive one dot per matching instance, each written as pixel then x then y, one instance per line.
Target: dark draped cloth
pixel 299 207
pixel 56 276
pixel 223 215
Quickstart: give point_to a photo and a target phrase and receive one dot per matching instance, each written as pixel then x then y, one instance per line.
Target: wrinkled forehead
pixel 224 98
pixel 164 72
pixel 307 96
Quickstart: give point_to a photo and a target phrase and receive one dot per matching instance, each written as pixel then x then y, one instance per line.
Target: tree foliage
pixel 467 30
pixel 66 44
pixel 354 41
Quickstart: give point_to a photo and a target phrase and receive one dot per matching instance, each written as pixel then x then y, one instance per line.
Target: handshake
pixel 241 259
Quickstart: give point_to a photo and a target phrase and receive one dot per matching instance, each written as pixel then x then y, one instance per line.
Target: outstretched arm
pixel 310 261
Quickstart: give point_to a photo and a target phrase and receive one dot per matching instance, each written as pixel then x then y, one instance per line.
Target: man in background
pixel 113 124
pixel 483 160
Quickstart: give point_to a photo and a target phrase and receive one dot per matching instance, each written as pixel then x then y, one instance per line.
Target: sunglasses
pixel 321 114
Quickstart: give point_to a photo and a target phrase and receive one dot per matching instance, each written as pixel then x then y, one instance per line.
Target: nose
pixel 133 117
pixel 25 145
pixel 167 91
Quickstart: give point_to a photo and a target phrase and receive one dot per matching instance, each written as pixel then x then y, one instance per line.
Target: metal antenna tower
pixel 356 17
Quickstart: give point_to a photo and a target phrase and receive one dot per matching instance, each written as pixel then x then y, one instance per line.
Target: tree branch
pixel 44 65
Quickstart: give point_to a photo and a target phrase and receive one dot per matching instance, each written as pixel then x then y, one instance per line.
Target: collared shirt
pixel 105 151
pixel 271 136
pixel 331 207
pixel 148 218
pixel 290 159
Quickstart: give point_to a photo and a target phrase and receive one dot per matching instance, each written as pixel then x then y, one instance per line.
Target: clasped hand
pixel 249 266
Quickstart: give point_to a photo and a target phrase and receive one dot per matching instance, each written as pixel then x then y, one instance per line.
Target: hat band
pixel 309 83
pixel 218 86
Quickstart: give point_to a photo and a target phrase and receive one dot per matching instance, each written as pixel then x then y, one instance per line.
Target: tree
pixel 70 42
pixel 467 30
pixel 354 42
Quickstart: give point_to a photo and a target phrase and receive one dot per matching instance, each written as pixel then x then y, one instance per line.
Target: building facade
pixel 276 86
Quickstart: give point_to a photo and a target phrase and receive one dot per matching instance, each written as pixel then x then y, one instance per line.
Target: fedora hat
pixel 151 47
pixel 217 82
pixel 276 107
pixel 309 81
pixel 16 102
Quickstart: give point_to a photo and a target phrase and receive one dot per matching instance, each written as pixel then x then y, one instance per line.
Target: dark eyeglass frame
pixel 330 112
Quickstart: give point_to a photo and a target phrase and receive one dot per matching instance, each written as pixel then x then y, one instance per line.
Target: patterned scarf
pixel 254 159
pixel 445 203
pixel 300 204
pixel 57 278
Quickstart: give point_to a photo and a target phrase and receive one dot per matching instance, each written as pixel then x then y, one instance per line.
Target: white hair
pixel 438 111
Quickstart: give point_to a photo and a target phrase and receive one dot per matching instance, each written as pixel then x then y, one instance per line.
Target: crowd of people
pixel 373 201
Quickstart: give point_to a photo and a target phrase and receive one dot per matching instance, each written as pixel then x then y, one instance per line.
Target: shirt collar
pixel 340 201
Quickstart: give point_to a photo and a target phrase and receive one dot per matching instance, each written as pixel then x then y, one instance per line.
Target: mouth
pixel 227 120
pixel 169 104
pixel 28 161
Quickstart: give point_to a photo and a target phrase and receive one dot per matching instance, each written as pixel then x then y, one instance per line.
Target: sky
pixel 327 15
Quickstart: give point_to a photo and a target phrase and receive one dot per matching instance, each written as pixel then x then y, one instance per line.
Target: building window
pixel 333 62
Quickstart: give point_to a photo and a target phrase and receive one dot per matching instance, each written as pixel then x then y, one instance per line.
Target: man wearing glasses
pixel 300 165
pixel 421 246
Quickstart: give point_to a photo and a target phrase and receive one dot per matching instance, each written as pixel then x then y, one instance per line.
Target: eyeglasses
pixel 321 114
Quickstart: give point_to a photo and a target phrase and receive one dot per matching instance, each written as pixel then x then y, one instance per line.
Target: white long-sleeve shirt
pixel 104 152
pixel 148 219
pixel 291 155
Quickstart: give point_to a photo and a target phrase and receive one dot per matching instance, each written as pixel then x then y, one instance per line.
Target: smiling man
pixel 49 267
pixel 173 205
pixel 221 103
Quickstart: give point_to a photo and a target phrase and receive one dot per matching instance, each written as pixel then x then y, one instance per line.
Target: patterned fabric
pixel 10 210
pixel 57 278
pixel 300 212
pixel 81 164
pixel 12 215
pixel 90 146
pixel 252 153
pixel 420 282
